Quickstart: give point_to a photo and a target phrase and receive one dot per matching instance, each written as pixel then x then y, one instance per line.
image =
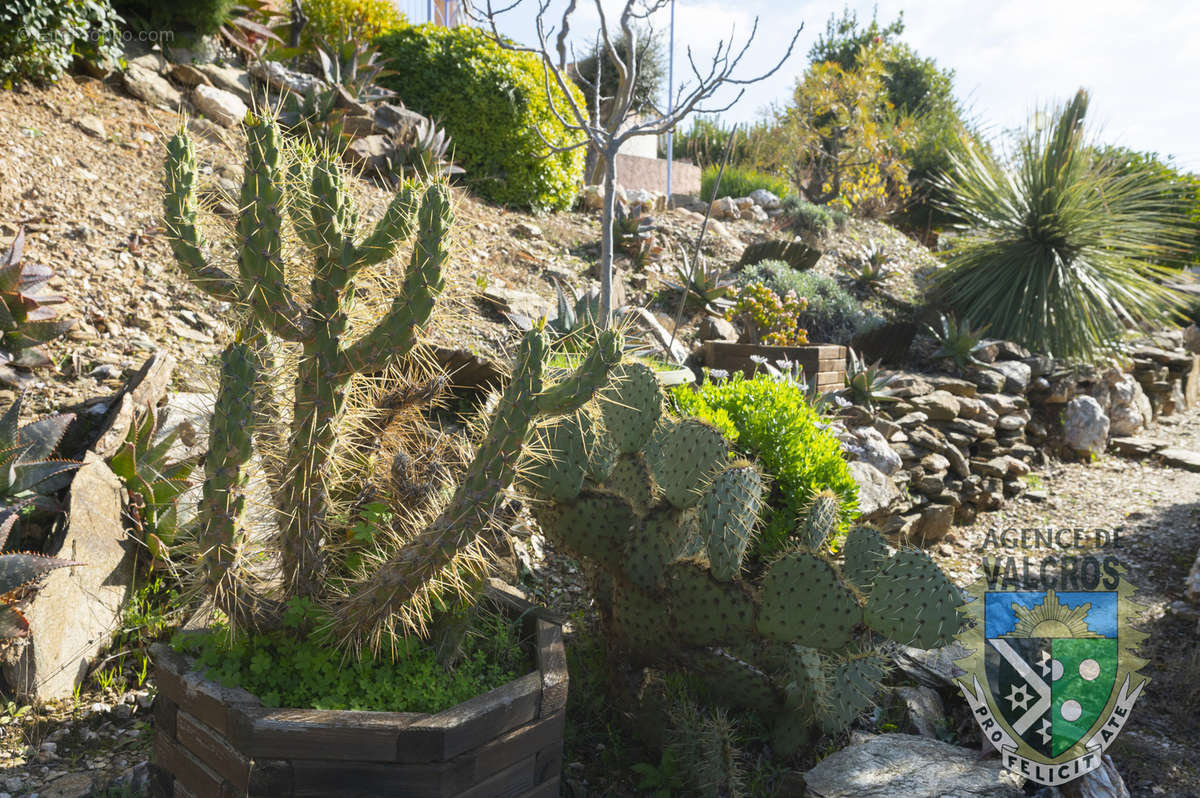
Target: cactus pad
pixel 804 601
pixel 640 619
pixel 558 471
pixel 733 681
pixel 601 451
pixel 820 520
pixel 727 512
pixel 708 612
pixel 852 689
pixel 656 542
pixel 595 525
pixel 630 477
pixel 683 457
pixel 631 405
pixel 912 601
pixel 865 554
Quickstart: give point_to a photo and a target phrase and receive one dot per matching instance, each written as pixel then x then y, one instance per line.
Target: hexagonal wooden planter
pixel 216 741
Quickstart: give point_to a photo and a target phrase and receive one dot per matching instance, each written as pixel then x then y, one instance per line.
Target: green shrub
pixel 493 103
pixel 832 315
pixel 200 17
pixel 292 667
pixel 804 217
pixel 350 20
pixel 39 39
pixel 737 181
pixel 774 423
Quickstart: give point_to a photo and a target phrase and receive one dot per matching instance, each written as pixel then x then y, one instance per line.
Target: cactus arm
pixel 396 332
pixel 569 395
pixel 490 473
pixel 179 215
pixel 395 226
pixel 259 230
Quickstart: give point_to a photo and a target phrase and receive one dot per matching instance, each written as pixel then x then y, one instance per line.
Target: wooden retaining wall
pixel 824 361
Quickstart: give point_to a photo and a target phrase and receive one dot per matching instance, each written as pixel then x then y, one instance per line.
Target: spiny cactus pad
pixel 631 405
pixel 656 542
pixel 804 601
pixel 727 512
pixel 706 611
pixel 684 456
pixel 913 602
pixel 558 471
pixel 820 520
pixel 733 681
pixel 601 451
pixel 852 689
pixel 865 554
pixel 630 477
pixel 596 525
pixel 640 618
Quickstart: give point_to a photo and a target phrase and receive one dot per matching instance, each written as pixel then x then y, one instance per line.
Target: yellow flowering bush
pixel 350 20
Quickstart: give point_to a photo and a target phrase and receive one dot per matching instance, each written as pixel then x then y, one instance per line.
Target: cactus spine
pixel 665 522
pixel 325 221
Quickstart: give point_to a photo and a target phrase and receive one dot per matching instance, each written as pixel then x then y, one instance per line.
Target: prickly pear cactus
pixel 665 521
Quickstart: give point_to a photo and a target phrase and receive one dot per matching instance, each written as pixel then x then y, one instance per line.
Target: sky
pixel 1140 59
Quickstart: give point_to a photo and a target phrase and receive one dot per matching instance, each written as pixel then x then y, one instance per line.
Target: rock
pixel 923 709
pixel 933 667
pixel 523 303
pixel 953 385
pixel 876 491
pixel 1103 782
pixel 756 214
pixel 369 154
pixel 187 416
pixel 765 199
pixel 1010 350
pixel 933 524
pixel 1191 339
pixel 1191 585
pixel 913 419
pixel 725 208
pixel 592 197
pixel 228 79
pixel 189 75
pixel 928 484
pixel 908 386
pixel 73 614
pixel 1016 375
pixel 794 253
pixel 394 119
pixel 280 78
pixel 934 462
pixel 987 379
pixel 1002 404
pixel 69 785
pixel 938 405
pixel 868 445
pixel 92 126
pixel 713 328
pixel 1187 459
pixel 669 344
pixel 151 61
pixel 743 203
pixel 1014 422
pixel 222 107
pixel 150 87
pixel 908 766
pixel 527 230
pixel 1135 447
pixel 1039 365
pixel 1128 409
pixel 1085 426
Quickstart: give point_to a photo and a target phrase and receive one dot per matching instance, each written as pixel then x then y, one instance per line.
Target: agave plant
pixel 958 340
pixel 314 116
pixel 17 571
pixel 574 327
pixel 868 385
pixel 635 235
pixel 27 472
pixel 152 484
pixel 422 151
pixel 26 319
pixel 869 270
pixel 356 68
pixel 701 285
pixel 1058 245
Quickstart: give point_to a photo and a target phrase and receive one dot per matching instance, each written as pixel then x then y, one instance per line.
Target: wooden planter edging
pixel 824 361
pixel 217 741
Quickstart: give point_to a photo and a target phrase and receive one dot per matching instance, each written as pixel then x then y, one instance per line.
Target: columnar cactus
pixel 665 521
pixel 325 221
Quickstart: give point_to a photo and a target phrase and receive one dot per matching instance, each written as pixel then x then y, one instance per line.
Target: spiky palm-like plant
pixel 1058 245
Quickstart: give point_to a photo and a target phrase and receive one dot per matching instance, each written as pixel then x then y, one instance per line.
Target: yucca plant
pixel 1057 244
pixel 26 319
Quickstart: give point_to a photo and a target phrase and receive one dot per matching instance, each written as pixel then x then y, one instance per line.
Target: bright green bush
pixel 181 17
pixel 493 103
pixel 39 39
pixel 832 315
pixel 774 423
pixel 291 667
pixel 350 20
pixel 738 181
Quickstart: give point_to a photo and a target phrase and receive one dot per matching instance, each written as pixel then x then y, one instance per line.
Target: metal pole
pixel 670 99
pixel 429 10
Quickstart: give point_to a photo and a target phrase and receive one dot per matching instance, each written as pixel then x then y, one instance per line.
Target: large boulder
pixel 74 613
pixel 868 445
pixel 223 107
pixel 1085 426
pixel 1123 400
pixel 908 766
pixel 765 199
pixel 149 86
pixel 876 490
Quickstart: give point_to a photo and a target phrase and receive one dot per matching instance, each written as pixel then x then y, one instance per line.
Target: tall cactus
pixel 665 520
pixel 324 218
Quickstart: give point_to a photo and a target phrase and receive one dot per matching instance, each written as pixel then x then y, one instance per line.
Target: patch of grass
pixel 737 181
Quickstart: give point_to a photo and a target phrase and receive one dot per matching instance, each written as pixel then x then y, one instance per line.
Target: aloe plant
pixel 26 319
pixel 17 571
pixel 702 285
pixel 958 340
pixel 868 384
pixel 28 473
pixel 153 485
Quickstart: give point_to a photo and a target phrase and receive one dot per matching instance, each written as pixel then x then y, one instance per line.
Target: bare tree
pixel 603 124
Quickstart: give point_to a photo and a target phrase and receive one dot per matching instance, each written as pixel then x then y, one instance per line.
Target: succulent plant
pixel 665 523
pixel 868 385
pixel 769 318
pixel 152 484
pixel 869 270
pixel 315 199
pixel 26 319
pixel 957 340
pixel 635 235
pixel 17 571
pixel 702 286
pixel 28 473
pixel 422 151
pixel 574 326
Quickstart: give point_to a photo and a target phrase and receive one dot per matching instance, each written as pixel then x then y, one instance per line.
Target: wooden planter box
pixel 824 361
pixel 212 741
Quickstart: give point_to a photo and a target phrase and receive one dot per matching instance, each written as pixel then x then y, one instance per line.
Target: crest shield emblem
pixel 1051 677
